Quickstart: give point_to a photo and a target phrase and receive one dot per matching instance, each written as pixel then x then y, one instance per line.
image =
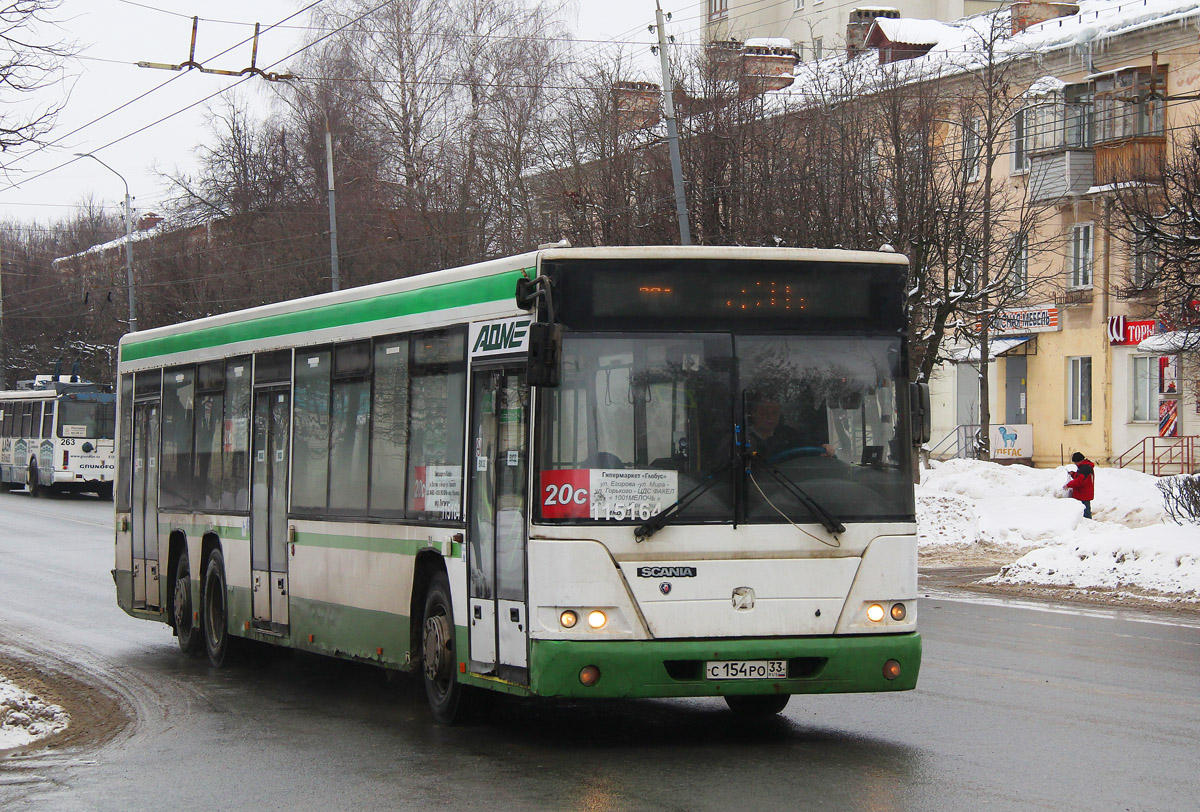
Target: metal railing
pixel 1163 456
pixel 958 444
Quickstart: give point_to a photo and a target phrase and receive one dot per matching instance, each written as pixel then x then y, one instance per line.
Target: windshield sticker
pixel 73 431
pixel 607 494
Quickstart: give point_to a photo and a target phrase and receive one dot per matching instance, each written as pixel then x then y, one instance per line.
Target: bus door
pixel 269 446
pixel 144 503
pixel 498 456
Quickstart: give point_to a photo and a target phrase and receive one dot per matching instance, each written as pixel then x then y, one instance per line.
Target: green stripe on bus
pixel 374 544
pixel 463 293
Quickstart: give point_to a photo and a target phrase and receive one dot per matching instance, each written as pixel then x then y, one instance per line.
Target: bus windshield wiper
pixel 659 520
pixel 827 519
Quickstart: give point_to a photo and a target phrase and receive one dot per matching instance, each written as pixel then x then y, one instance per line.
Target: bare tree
pixel 26 66
pixel 1159 215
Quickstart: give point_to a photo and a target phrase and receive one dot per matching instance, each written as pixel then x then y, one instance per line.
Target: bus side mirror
pixel 527 292
pixel 544 364
pixel 920 412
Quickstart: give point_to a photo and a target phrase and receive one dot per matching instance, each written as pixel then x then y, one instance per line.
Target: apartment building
pixel 818 28
pixel 1086 360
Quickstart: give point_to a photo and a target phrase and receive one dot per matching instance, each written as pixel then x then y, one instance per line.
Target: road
pixel 1019 707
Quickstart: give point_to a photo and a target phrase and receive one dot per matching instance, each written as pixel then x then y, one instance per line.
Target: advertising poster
pixel 1168 375
pixel 1168 418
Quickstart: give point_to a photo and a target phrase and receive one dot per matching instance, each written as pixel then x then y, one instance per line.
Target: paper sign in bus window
pixel 606 494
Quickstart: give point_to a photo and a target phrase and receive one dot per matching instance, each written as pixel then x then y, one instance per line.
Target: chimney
pixel 148 221
pixel 1031 12
pixel 637 105
pixel 860 23
pixel 767 64
pixel 726 59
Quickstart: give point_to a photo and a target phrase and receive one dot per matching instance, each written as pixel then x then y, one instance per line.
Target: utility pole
pixel 128 237
pixel 3 357
pixel 335 274
pixel 685 232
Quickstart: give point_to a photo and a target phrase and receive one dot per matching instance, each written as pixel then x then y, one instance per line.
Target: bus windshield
pixel 641 420
pixel 86 419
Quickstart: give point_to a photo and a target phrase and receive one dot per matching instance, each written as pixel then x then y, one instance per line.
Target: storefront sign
pixel 1012 441
pixel 1122 332
pixel 1026 320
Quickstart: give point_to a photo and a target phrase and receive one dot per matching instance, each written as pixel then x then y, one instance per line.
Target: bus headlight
pixel 898 611
pixel 875 612
pixel 568 619
pixel 597 619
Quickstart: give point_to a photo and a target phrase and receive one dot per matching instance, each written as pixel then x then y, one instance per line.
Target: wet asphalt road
pixel 1019 707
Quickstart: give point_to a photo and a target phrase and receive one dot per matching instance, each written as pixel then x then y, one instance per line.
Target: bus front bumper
pixel 666 668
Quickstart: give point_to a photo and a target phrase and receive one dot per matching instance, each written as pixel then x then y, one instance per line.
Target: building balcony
pixel 1073 297
pixel 1139 158
pixel 1061 173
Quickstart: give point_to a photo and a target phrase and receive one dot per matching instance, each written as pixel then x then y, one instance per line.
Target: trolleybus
pixel 56 434
pixel 542 475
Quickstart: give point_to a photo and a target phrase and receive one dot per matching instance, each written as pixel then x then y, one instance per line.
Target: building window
pixel 718 9
pixel 1020 155
pixel 1080 105
pixel 1145 388
pixel 1080 256
pixel 1145 263
pixel 971 148
pixel 1019 275
pixel 818 48
pixel 1079 389
pixel 799 5
pixel 1130 103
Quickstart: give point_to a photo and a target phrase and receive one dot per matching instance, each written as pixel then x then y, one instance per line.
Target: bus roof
pixel 486 288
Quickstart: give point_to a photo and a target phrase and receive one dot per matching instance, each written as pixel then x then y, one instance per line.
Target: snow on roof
pixel 136 236
pixel 914 32
pixel 959 45
pixel 1046 86
pixel 1176 341
pixel 768 42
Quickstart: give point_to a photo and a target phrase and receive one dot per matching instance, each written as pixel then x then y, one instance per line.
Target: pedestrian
pixel 1083 482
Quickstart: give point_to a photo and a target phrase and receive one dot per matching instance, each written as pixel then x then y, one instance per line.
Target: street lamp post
pixel 128 238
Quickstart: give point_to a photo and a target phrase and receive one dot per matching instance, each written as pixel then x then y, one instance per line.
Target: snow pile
pixel 25 718
pixel 967 505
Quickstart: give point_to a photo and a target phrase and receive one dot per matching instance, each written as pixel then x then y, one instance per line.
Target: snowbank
pixel 1130 544
pixel 25 718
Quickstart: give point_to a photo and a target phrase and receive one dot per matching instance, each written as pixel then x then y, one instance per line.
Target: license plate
pixel 746 669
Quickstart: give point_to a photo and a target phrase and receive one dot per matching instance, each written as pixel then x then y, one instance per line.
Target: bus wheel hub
pixel 437 648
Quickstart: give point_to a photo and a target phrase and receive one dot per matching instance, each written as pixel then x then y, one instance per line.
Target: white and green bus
pixel 56 435
pixel 542 475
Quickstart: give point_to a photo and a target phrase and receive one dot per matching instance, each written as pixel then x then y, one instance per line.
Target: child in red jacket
pixel 1083 482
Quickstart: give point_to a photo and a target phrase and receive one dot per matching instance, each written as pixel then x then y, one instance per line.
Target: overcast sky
pixel 116 110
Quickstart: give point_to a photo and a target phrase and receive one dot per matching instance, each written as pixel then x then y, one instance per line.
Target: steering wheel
pixel 798 451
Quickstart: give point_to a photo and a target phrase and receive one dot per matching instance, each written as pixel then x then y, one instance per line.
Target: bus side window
pixel 48 419
pixel 235 443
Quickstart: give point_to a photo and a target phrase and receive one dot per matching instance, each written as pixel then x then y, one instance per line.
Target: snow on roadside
pixel 968 506
pixel 25 718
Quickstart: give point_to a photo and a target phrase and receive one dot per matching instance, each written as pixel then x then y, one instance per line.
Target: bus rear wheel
pixel 449 699
pixel 32 483
pixel 763 705
pixel 186 633
pixel 215 616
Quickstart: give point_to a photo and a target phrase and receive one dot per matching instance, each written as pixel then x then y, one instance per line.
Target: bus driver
pixel 769 435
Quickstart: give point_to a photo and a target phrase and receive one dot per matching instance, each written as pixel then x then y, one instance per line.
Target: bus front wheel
pixel 448 699
pixel 764 705
pixel 215 618
pixel 186 632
